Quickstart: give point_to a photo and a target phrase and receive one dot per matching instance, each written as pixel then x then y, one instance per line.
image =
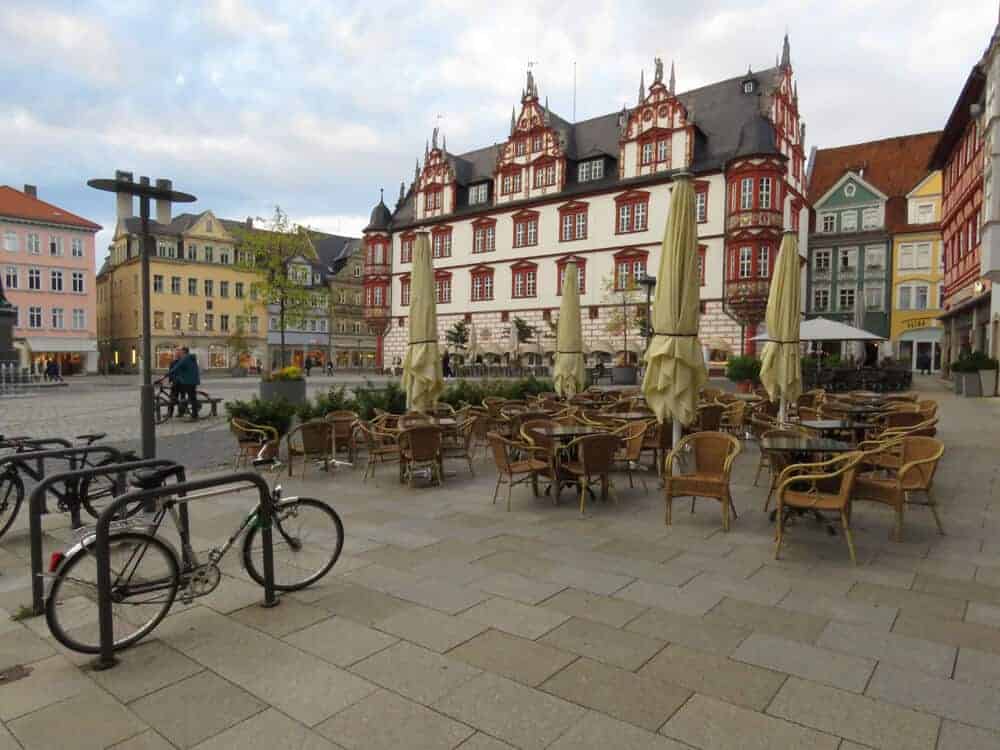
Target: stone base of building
pixel 493 331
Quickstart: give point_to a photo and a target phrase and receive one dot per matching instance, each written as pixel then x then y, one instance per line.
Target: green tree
pixel 525 332
pixel 458 335
pixel 237 343
pixel 628 313
pixel 270 254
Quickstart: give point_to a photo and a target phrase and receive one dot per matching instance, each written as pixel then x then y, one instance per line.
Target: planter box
pixel 293 391
pixel 956 378
pixel 988 382
pixel 972 387
pixel 744 386
pixel 623 375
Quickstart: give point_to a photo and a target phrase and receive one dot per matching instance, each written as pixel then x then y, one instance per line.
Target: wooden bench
pixel 213 403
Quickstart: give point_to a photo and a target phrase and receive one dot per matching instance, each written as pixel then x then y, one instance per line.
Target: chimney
pixel 249 223
pixel 31 190
pixel 163 206
pixel 124 202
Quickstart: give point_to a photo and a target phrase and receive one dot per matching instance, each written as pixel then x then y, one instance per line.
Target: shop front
pixel 967 325
pixel 72 355
pixel 919 348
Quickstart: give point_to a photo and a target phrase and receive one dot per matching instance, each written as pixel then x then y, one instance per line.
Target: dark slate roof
pixel 727 123
pixel 380 218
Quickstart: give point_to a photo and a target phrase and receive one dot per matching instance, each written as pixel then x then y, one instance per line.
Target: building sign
pixel 910 325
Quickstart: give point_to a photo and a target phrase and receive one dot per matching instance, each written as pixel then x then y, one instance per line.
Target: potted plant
pixel 276 413
pixel 287 383
pixel 977 373
pixel 988 375
pixel 744 371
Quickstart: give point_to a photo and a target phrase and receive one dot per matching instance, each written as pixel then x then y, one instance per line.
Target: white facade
pixel 990 126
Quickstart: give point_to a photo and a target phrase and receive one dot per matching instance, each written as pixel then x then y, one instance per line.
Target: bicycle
pixel 90 494
pixel 147 572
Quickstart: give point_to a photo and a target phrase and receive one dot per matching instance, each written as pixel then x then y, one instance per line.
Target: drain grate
pixel 13 674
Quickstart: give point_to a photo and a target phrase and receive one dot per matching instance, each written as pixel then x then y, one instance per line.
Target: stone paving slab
pixel 516 658
pixel 415 672
pixel 805 661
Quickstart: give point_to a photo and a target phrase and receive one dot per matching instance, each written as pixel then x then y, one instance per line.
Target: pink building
pixel 48 273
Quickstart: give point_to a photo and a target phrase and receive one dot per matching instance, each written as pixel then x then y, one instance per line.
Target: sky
pixel 317 105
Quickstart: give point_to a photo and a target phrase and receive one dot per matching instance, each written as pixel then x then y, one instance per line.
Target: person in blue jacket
pixel 186 374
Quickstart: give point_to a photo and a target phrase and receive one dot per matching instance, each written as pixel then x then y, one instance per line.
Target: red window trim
pixel 404 283
pixel 442 276
pixel 632 254
pixel 405 237
pixel 441 231
pixel 631 198
pixel 654 136
pixel 481 272
pixel 581 265
pixel 518 268
pixel 524 217
pixel 437 188
pixel 510 170
pixel 701 187
pixel 573 208
pixel 481 225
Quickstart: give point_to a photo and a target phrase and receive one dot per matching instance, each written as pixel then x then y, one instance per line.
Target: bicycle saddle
pixel 148 479
pixel 92 437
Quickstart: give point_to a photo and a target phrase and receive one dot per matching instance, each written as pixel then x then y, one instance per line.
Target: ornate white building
pixel 504 220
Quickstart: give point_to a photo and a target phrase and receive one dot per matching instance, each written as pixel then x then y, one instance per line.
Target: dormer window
pixel 748 86
pixel 536 143
pixel 590 170
pixel 478 194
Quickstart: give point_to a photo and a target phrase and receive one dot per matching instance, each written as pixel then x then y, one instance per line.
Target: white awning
pixel 53 344
pixel 824 329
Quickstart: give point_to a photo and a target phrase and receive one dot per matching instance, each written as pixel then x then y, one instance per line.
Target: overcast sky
pixel 315 105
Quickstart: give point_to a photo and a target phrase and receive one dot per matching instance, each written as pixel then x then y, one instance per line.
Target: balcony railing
pixel 377 269
pixel 747 298
pixel 376 312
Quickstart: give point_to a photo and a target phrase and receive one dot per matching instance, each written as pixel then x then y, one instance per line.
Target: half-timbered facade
pixel 505 220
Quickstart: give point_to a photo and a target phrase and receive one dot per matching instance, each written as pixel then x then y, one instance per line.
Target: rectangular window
pixel 175 321
pixel 10 277
pixel 209 253
pixel 57 318
pixel 821 300
pixel 764 262
pixel 875 258
pixel 223 322
pixel 158 320
pixel 746 193
pixel 224 257
pixel 525 232
pixel 545 175
pixel 567 227
pixel 55 280
pixel 34 279
pixel 441 245
pixel 847 259
pixel 442 290
pixel 404 292
pixel 193 287
pixel 76 247
pixel 847 298
pixel 34 246
pixel 701 206
pixel 193 321
pixel 157 283
pixel 77 281
pixel 581 278
pixel 765 192
pixel 55 245
pixel 10 241
pixel 79 319
pixel 405 251
pixel 907 256
pixel 223 288
pixel 192 252
pixel 625 218
pixel 849 221
pixel 924 213
pixel 647 153
pixel 870 219
pixel 663 150
pixel 873 298
pixel 477 194
pixel 34 317
pixel 746 262
pixel 209 290
pixel 175 284
pixel 239 290
pixel 828 223
pixel 209 322
pixel 590 170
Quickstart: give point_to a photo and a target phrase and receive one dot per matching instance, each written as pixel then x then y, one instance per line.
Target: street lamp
pixel 649 282
pixel 163 191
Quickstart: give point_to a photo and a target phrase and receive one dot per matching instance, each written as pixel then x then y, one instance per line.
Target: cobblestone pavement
pixel 449 622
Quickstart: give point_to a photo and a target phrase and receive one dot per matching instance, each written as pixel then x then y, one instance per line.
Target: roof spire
pixel 416 173
pixel 427 150
pixel 381 195
pixel 444 143
pixel 786 53
pixel 642 86
pixel 513 121
pixel 402 191
pixel 673 79
pixel 434 138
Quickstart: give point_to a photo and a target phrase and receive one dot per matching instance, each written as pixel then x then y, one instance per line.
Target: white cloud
pixel 242 19
pixel 345 224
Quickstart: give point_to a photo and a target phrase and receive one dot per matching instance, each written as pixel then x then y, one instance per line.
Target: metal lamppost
pixel 649 282
pixel 161 191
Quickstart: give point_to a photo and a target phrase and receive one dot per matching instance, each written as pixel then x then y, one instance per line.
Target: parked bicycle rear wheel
pixel 307 536
pixel 11 497
pixel 97 492
pixel 144 580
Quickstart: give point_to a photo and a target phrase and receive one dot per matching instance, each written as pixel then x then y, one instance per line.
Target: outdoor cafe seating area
pixel 602 445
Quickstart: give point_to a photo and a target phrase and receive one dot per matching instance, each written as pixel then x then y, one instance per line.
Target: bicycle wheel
pixel 307 536
pixel 97 492
pixel 11 497
pixel 145 577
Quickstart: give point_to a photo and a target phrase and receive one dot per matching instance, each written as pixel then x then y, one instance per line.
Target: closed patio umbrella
pixel 423 380
pixel 472 348
pixel 781 368
pixel 569 367
pixel 675 366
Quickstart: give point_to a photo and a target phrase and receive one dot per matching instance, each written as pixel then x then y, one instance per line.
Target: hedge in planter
pixel 743 370
pixel 287 383
pixel 975 374
pixel 276 413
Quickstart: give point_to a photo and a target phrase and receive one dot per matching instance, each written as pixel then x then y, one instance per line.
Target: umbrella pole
pixel 677 432
pixel 782 411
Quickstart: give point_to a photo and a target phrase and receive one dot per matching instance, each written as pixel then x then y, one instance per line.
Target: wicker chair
pixel 533 432
pixel 632 436
pixel 251 439
pixel 658 440
pixel 595 459
pixel 777 461
pixel 733 419
pixel 710 416
pixel 823 486
pixel 343 432
pixel 461 443
pixel 918 459
pixel 420 448
pixel 713 454
pixel 382 447
pixel 413 419
pixel 808 413
pixel 310 441
pixel 516 463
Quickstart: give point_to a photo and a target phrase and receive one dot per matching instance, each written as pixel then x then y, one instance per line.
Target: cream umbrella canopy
pixel 675 365
pixel 472 348
pixel 423 379
pixel 569 368
pixel 781 369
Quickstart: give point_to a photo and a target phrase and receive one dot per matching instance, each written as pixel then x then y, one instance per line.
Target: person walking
pixel 446 364
pixel 308 365
pixel 175 389
pixel 187 375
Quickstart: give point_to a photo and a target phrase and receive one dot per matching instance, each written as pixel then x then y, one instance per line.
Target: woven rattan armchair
pixel 343 422
pixel 918 459
pixel 382 447
pixel 594 462
pixel 420 448
pixel 629 454
pixel 777 461
pixel 711 456
pixel 533 432
pixel 808 487
pixel 460 443
pixel 658 440
pixel 251 439
pixel 516 463
pixel 310 441
pixel 733 419
pixel 710 416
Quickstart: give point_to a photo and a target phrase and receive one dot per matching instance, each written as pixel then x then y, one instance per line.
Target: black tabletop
pixel 803 445
pixel 828 425
pixel 569 430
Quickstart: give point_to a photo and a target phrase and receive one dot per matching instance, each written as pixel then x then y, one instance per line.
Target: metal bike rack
pixel 36 506
pixel 107 659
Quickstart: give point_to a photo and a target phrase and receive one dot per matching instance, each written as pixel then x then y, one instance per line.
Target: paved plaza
pixel 449 622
